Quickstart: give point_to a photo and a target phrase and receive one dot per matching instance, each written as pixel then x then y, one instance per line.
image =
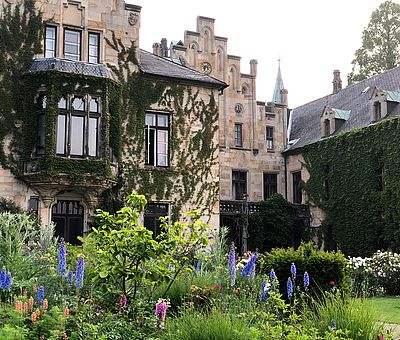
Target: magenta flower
pixel 161 309
pixel 122 301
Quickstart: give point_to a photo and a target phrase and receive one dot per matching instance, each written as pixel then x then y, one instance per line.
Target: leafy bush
pixel 325 269
pixel 379 274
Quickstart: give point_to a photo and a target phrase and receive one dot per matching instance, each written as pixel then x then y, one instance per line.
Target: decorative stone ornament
pixel 238 108
pixel 133 18
pixel 206 68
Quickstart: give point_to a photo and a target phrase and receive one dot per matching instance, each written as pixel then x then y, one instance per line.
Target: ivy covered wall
pixel 354 178
pixel 191 180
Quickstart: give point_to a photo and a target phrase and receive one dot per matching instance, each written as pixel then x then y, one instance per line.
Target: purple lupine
pixel 249 268
pixel 161 309
pixel 79 272
pixel 306 280
pixel 293 271
pixel 122 301
pixel 70 276
pixel 40 294
pixel 289 288
pixel 3 277
pixel 62 259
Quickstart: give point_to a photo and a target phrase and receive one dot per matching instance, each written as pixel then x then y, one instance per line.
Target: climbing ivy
pixel 354 179
pixel 21 32
pixel 192 153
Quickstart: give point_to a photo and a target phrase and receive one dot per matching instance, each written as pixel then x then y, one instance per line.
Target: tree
pixel 380 50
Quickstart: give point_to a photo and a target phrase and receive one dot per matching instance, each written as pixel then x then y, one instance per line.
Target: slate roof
pixel 158 66
pixel 70 66
pixel 305 120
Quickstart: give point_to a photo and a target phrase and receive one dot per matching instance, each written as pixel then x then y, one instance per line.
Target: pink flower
pixel 122 301
pixel 331 283
pixel 217 287
pixel 161 309
pixel 236 291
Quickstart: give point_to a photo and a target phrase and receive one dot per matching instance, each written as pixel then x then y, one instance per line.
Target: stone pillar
pixel 337 82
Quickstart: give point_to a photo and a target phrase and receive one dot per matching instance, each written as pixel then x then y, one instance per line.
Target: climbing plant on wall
pixel 354 178
pixel 21 31
pixel 193 152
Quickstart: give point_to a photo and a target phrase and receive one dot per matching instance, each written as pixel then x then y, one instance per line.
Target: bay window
pixel 78 127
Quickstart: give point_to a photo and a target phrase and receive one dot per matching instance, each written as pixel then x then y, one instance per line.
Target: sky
pixel 312 38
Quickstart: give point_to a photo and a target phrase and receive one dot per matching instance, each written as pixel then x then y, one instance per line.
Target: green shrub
pixel 326 269
pixel 8 332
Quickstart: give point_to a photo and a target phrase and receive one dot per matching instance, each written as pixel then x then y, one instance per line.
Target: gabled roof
pixel 355 99
pixel 152 64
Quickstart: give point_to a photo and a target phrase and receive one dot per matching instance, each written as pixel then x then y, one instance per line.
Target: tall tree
pixel 380 50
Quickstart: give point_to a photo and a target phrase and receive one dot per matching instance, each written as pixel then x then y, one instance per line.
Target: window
pixel 270 137
pixel 72 45
pixel 33 204
pixel 297 195
pixel 238 135
pixel 270 185
pixel 94 47
pixel 239 184
pixel 157 139
pixel 152 214
pixel 78 127
pixel 50 42
pixel 327 127
pixel 377 111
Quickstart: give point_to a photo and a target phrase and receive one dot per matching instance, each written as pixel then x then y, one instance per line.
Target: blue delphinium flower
pixel 62 259
pixel 293 271
pixel 3 276
pixel 289 288
pixel 264 291
pixel 40 294
pixel 272 275
pixel 80 269
pixel 232 265
pixel 8 282
pixel 70 276
pixel 306 280
pixel 249 268
pixel 198 267
pixel 333 325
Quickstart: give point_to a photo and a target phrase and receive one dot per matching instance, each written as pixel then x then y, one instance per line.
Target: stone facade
pixel 82 31
pixel 243 120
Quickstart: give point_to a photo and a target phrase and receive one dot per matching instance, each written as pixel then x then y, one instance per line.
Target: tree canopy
pixel 380 50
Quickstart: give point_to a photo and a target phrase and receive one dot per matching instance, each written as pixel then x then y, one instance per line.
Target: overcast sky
pixel 311 37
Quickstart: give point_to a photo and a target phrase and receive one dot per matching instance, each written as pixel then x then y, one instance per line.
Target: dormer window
pixel 377 111
pixel 332 120
pixel 327 127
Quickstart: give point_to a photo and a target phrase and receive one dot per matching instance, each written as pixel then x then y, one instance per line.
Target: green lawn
pixel 387 308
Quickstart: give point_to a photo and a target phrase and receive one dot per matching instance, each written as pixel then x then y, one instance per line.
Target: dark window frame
pixel 377 111
pixel 327 127
pixel 152 213
pixel 269 137
pixel 239 135
pixel 270 181
pixel 74 30
pixel 45 41
pixel 69 112
pixel 152 142
pixel 297 192
pixel 239 184
pixel 98 47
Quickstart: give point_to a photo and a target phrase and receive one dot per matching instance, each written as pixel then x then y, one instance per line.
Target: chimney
pixel 337 82
pixel 156 49
pixel 164 48
pixel 253 67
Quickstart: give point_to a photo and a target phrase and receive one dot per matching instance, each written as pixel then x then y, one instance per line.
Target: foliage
pixel 360 216
pixel 273 225
pixel 21 31
pixel 8 332
pixel 350 314
pixel 377 274
pixel 380 48
pixel 7 205
pixel 323 267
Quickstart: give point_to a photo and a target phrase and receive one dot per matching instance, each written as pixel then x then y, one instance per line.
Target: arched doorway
pixel 68 218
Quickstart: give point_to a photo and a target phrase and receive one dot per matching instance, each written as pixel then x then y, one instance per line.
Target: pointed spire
pixel 277 97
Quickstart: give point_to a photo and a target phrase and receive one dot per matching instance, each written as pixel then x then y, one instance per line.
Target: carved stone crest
pixel 133 18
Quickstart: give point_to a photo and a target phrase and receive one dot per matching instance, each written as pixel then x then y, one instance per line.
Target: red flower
pixel 331 283
pixel 236 291
pixel 217 287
